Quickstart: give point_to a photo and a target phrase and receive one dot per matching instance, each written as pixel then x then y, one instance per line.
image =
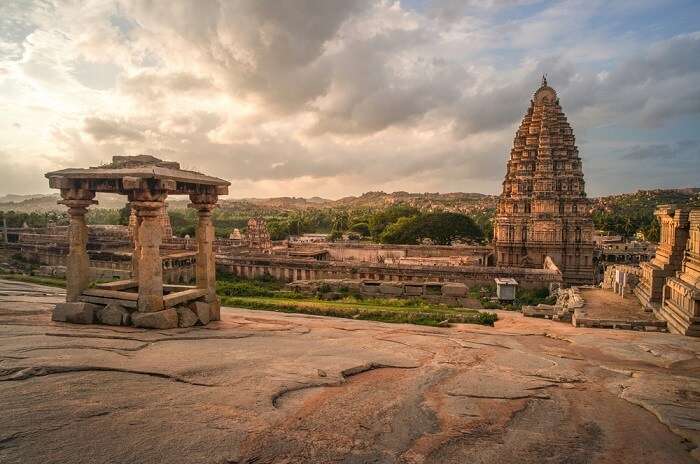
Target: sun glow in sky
pixel 337 97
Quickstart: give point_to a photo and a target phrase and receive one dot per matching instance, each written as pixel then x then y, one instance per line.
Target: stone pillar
pixel 147 254
pixel 78 262
pixel 206 266
pixel 134 226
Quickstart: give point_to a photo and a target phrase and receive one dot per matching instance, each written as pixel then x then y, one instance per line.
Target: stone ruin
pixel 258 236
pixel 680 306
pixel 669 255
pixel 143 301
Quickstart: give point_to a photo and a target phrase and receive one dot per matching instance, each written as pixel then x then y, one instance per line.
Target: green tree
pixel 441 227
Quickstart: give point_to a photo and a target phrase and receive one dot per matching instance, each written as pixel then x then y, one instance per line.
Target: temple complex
pixel 543 210
pixel 143 300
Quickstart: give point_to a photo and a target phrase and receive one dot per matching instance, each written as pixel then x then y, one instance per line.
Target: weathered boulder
pixel 185 317
pixel 165 319
pixel 76 313
pixel 454 289
pixel 113 314
pixel 201 309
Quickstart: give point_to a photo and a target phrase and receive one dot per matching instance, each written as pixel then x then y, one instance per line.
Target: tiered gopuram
pixel 543 210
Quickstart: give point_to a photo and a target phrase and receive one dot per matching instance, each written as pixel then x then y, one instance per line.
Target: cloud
pixel 339 95
pixel 102 129
pixel 686 149
pixel 150 85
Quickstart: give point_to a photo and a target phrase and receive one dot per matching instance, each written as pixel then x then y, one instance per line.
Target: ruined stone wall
pixel 290 270
pixel 437 292
pixel 372 253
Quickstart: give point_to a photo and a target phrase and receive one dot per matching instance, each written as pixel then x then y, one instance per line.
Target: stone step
pixel 678 321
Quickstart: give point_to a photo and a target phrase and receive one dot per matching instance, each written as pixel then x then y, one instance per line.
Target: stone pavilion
pixel 143 301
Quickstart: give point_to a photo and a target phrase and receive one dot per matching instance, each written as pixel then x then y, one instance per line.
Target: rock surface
pixel 284 388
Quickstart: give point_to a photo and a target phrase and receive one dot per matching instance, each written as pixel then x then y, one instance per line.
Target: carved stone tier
pixel 681 294
pixel 543 210
pixel 668 259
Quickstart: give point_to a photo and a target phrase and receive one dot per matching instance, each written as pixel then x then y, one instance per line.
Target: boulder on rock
pixel 185 316
pixel 76 313
pixel 201 309
pixel 165 319
pixel 114 314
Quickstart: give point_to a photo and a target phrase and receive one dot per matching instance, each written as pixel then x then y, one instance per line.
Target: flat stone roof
pixel 141 167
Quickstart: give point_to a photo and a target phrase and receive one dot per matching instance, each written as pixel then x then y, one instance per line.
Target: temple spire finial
pixel 544 80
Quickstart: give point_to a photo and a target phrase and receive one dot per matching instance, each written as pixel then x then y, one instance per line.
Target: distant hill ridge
pixel 454 201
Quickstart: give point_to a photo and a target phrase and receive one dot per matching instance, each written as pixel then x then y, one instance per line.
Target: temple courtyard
pixel 264 387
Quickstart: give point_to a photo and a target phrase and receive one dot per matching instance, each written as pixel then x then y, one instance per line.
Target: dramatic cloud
pixel 335 97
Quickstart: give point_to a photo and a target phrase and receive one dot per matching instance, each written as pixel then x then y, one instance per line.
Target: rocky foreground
pixel 274 388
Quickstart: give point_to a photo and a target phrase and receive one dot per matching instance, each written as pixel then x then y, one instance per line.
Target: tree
pixel 379 221
pixel 361 228
pixel 441 228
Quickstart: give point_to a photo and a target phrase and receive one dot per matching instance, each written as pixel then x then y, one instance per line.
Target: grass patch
pixel 48 281
pixel 421 315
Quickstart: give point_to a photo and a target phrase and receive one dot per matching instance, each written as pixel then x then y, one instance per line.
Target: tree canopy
pixel 440 227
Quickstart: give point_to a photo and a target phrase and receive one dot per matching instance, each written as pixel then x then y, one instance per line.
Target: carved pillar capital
pixel 77 200
pixel 203 202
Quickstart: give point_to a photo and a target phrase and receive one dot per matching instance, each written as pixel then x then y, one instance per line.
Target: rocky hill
pixel 645 201
pixel 640 201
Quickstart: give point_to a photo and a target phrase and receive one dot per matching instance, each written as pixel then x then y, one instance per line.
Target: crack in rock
pixel 501 397
pixel 85 347
pixel 156 340
pixel 23 373
pixel 345 375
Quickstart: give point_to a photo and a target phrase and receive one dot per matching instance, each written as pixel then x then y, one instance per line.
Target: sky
pixel 338 97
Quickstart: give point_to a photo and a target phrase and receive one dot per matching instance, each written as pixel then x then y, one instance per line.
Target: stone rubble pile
pixel 185 315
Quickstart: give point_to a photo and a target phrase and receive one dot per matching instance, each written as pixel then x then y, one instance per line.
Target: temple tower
pixel 258 235
pixel 543 210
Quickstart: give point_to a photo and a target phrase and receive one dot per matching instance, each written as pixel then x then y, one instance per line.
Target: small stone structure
pixel 568 300
pixel 621 279
pixel 143 301
pixel 668 257
pixel 505 288
pixel 681 294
